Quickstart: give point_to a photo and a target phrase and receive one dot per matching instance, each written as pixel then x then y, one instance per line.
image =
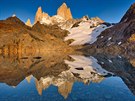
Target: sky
pixel 108 10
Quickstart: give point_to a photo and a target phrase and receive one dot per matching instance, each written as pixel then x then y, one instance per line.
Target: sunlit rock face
pixel 96 19
pixel 64 12
pixel 64 19
pixel 53 30
pixel 82 31
pixel 16 37
pixel 19 39
pixel 39 15
pixel 28 23
pixel 42 17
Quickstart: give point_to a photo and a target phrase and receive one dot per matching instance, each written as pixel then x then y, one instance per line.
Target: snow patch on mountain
pixel 13 15
pixel 86 32
pixel 45 20
pixel 52 20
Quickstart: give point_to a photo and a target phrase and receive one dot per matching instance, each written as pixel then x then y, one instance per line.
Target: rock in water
pixel 64 12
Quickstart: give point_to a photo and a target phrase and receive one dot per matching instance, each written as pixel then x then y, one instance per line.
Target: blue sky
pixel 108 10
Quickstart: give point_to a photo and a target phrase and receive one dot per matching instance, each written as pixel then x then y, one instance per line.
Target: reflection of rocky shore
pixel 122 66
pixel 15 69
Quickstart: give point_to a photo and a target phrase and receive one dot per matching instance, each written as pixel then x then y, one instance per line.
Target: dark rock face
pixel 118 33
pixel 76 24
pixel 120 37
pixel 130 14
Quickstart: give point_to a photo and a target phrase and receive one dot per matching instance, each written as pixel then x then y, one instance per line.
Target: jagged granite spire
pixel 28 23
pixel 64 12
pixel 38 15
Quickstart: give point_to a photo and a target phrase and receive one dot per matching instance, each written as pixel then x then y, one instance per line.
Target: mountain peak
pixel 28 23
pixel 64 4
pixel 64 12
pixel 14 20
pixel 40 8
pixel 39 14
pixel 97 19
pixel 13 15
pixel 130 14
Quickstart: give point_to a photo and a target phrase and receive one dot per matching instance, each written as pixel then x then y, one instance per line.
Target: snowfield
pixel 84 33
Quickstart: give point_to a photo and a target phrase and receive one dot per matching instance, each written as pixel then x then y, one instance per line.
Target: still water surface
pixel 72 78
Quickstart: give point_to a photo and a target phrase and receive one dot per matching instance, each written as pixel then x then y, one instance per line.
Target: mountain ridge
pixel 63 14
pixel 119 38
pixel 82 32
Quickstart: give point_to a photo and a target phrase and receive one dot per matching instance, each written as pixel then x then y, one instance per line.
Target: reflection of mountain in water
pixel 120 66
pixel 84 72
pixel 15 69
pixel 63 70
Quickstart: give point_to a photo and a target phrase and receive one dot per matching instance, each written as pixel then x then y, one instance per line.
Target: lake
pixel 97 77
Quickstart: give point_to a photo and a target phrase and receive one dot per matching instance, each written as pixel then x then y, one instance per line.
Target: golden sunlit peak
pixel 64 4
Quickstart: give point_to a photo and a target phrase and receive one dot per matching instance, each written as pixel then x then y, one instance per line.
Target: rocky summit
pixel 28 23
pixel 63 14
pixel 41 15
pixel 120 38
